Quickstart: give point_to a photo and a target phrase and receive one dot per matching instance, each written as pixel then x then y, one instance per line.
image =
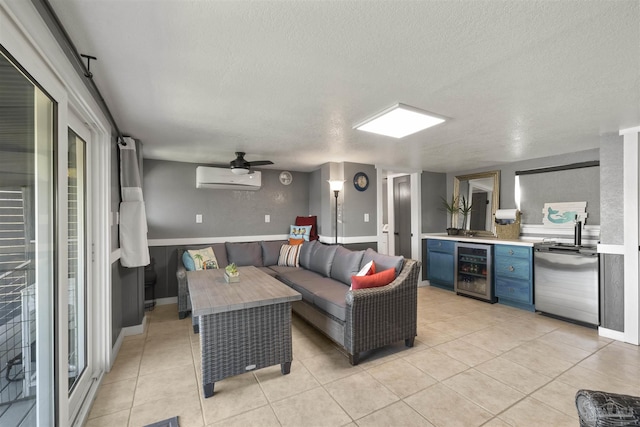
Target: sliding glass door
pixel 27 242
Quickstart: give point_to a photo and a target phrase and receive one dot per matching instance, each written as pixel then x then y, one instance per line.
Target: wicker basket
pixel 509 231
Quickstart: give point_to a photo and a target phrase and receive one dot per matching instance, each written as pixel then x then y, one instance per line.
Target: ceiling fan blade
pixel 261 163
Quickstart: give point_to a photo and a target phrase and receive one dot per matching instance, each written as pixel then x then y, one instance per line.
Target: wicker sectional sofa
pixel 357 320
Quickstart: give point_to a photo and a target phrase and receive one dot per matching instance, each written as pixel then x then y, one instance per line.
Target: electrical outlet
pixel 366 217
pixel 198 218
pixel 267 218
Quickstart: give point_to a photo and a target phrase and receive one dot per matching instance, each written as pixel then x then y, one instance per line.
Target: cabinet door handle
pixel 511 268
pixel 510 251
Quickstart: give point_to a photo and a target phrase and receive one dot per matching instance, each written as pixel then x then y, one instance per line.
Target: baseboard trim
pixel 167 301
pixel 115 349
pixel 612 334
pixel 137 329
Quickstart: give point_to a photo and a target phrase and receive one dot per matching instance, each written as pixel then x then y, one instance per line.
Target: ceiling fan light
pixel 240 171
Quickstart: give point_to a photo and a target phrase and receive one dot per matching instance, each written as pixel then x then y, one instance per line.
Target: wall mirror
pixel 482 190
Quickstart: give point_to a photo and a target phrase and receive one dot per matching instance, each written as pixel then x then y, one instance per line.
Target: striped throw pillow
pixel 289 256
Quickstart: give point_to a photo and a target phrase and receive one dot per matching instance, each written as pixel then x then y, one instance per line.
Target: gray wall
pixel 611 231
pixel 507 174
pixel 611 194
pixel 434 187
pixel 357 203
pixel 116 283
pixel 172 202
pixel 127 284
pixel 570 185
pixel 315 183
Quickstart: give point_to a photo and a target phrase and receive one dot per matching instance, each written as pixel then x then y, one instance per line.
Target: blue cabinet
pixel 513 273
pixel 441 263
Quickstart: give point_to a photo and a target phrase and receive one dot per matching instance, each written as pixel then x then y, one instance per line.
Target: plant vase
pixel 229 278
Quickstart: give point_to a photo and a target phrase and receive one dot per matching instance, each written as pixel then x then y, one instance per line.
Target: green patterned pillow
pixel 204 259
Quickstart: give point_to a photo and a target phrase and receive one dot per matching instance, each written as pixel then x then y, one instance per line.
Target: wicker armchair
pixel 602 409
pixel 380 316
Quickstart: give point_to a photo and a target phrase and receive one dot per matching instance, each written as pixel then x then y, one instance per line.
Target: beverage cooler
pixel 474 269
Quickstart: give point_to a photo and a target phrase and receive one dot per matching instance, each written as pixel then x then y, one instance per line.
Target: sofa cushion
pixel 203 258
pixel 187 261
pixel 322 259
pixel 383 262
pixel 346 263
pixel 271 252
pixel 279 269
pixel 221 254
pixel 373 280
pixel 304 281
pixel 244 254
pixel 331 298
pixel 299 232
pixel 289 256
pixel 268 270
pixel 305 253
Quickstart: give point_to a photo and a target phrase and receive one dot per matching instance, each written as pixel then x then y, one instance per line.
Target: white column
pixel 631 186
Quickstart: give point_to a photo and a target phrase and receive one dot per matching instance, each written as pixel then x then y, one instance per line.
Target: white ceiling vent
pixel 224 179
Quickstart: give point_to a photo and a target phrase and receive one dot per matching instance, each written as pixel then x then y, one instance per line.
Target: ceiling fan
pixel 240 166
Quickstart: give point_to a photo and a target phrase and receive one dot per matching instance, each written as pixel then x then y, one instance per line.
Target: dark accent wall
pixel 116 302
pixel 172 202
pixel 434 187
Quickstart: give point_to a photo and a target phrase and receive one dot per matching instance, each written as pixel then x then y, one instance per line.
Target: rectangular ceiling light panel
pixel 399 121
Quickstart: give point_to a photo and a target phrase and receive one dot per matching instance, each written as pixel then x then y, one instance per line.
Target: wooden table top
pixel 211 294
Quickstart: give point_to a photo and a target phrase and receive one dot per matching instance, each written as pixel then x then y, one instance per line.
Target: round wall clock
pixel 361 181
pixel 286 178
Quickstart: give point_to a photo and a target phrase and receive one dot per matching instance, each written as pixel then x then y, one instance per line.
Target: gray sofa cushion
pixel 267 270
pixel 305 252
pixel 383 262
pixel 346 263
pixel 244 253
pixel 271 252
pixel 304 281
pixel 331 298
pixel 282 270
pixel 322 259
pixel 221 254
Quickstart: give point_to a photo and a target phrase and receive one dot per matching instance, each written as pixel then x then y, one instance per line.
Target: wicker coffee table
pixel 243 326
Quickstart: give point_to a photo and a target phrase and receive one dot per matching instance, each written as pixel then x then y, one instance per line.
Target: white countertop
pixel 481 239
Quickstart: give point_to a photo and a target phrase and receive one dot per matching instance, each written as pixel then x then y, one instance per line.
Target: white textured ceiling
pixel 196 81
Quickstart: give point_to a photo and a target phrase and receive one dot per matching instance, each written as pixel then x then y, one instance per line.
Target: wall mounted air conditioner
pixel 224 179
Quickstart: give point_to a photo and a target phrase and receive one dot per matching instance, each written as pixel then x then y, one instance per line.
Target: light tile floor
pixel 473 364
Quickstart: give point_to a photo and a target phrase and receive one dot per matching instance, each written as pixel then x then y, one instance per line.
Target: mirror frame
pixel 495 199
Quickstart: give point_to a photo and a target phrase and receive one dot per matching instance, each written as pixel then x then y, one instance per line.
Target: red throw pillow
pixel 373 281
pixel 311 220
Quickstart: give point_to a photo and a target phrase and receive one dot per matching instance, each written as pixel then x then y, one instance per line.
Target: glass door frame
pixel 36 50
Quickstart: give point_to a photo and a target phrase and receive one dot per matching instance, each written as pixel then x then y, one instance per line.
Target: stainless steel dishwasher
pixel 566 282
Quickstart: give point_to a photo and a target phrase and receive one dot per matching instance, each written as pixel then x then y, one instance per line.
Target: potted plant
pixel 452 208
pixel 231 273
pixel 465 210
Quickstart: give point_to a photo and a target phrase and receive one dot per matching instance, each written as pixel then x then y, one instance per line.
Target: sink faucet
pixel 577 233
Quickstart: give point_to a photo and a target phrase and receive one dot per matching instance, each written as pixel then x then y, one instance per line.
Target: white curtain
pixel 133 219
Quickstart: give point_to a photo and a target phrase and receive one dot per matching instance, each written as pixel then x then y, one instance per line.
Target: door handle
pixel 396 233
